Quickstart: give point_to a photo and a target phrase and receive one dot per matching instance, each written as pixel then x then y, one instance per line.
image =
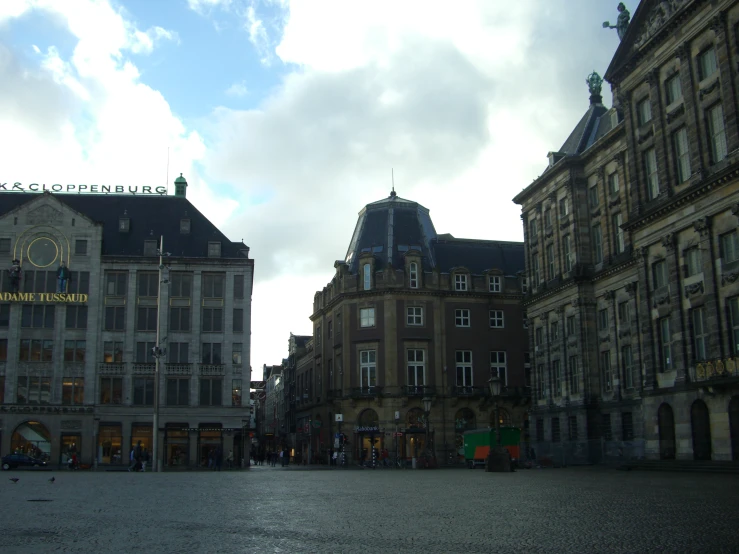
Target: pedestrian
pixel 144 459
pixel 132 459
pixel 334 458
pixel 230 459
pixel 282 458
pixel 75 463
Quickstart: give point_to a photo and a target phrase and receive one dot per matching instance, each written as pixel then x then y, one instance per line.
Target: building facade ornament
pixel 657 18
pixel 668 241
pixel 702 226
pixel 622 23
pixel 695 288
pixel 630 288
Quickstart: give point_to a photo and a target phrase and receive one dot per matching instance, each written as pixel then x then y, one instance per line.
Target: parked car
pixel 12 461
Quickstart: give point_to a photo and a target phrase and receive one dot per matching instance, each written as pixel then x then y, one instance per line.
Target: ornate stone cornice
pixel 657 18
pixel 702 226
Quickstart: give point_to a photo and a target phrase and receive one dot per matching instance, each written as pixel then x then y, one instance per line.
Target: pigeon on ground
pixel 14 479
pixel 52 480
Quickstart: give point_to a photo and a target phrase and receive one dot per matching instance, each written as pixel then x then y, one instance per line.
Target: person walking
pixel 144 459
pixel 230 459
pixel 132 459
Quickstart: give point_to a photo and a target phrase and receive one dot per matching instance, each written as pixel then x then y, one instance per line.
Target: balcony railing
pixel 365 392
pixel 415 390
pixel 178 369
pixel 716 370
pixel 144 369
pixel 212 369
pixel 118 368
pixel 461 390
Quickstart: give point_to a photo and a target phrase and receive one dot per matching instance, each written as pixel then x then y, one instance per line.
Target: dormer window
pixel 150 248
pixel 124 224
pixel 214 249
pixel 366 276
pixel 460 282
pixel 494 283
pixel 413 275
pixel 184 226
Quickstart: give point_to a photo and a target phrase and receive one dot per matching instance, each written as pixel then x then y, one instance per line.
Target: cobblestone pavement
pixel 274 510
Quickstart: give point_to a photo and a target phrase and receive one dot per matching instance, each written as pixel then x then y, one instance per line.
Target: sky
pixel 287 117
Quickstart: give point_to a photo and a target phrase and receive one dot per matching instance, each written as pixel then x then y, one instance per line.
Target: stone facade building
pixel 77 362
pixel 632 251
pixel 411 314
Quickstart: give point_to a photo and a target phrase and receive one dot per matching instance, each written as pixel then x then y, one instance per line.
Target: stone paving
pixel 295 510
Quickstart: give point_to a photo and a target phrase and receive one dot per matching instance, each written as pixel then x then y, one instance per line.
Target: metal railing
pixel 365 392
pixel 457 390
pixel 415 390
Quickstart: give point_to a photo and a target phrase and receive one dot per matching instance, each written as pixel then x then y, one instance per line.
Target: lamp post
pixel 494 384
pixel 426 413
pixel 498 459
pixel 158 352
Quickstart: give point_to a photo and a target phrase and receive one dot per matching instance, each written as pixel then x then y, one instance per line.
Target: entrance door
pixel 701 425
pixel 366 444
pixel 734 427
pixel 69 445
pixel 666 424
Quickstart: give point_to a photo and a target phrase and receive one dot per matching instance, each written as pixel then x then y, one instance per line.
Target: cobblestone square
pixel 295 510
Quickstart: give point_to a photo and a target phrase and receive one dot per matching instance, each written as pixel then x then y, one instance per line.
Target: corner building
pixel 411 314
pixel 78 375
pixel 632 251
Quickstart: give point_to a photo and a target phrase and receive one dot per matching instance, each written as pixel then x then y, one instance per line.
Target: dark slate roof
pixel 300 340
pixel 150 217
pixel 390 227
pixel 584 134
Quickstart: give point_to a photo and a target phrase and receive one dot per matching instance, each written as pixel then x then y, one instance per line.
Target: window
pixel 80 247
pixel 238 320
pixel 682 154
pixel 537 271
pixel 605 369
pixel 460 282
pixel 548 218
pixel 628 360
pixel 330 329
pixel 236 350
pixel 111 390
pixel 563 208
pixel 213 285
pixel 707 63
pixel 413 275
pixel 211 353
pixel 39 281
pixel 494 283
pixel 211 392
pixel 239 287
pixel 498 366
pixel 554 330
pixel 618 232
pixel 556 431
pixel 5 246
pixel 644 111
pixel 597 244
pixel 414 315
pixel 180 284
pixel 603 319
pixel 624 313
pixel 627 426
pixel 367 369
pixel 462 318
pixel 143 391
pixel 112 352
pixel 539 336
pixel 146 318
pixel 367 317
pixel 665 346
pixel 115 283
pixel 550 261
pixel 650 167
pixel 717 133
pixel 416 368
pixel 593 197
pixel 605 426
pixel 567 252
pixel 674 89
pixel 148 284
pixel 38 316
pixel 179 318
pixel 184 226
pixel 571 326
pixel 734 322
pixel 236 392
pixel 693 262
pixel 178 392
pixel 76 317
pixel 557 378
pixel 659 273
pixel 572 427
pixel 497 319
pixel 179 353
pixel 212 320
pixel 464 369
pixel 367 276
pixel 33 390
pixel 74 350
pixel 145 352
pixel 524 285
pixel 574 375
pixel 700 335
pixel 532 229
pixel 613 186
pixel 214 249
pixel 730 247
pixel 318 335
pixel 541 386
pixel 73 391
pixel 4 315
pixel 35 350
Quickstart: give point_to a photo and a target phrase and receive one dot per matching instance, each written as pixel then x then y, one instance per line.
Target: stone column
pixel 646 329
pixel 677 315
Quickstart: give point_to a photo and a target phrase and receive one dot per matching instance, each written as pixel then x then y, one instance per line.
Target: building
pixel 408 315
pixel 632 251
pixel 296 350
pixel 273 424
pixel 77 362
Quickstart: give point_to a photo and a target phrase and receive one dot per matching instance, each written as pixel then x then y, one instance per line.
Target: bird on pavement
pixel 14 479
pixel 52 480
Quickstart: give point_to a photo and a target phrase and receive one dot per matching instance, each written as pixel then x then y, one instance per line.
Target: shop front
pixel 210 444
pixel 176 445
pixel 110 444
pixel 142 433
pixel 368 437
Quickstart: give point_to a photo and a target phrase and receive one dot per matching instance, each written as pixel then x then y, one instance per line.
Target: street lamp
pixel 498 459
pixel 494 384
pixel 427 411
pixel 158 353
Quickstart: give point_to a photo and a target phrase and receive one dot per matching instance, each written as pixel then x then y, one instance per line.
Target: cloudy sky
pixel 286 116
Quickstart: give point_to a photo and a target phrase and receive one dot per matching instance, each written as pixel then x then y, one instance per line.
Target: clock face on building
pixel 43 252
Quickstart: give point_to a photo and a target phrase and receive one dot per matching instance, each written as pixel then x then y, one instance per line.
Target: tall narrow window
pixel 238 287
pixel 567 252
pixel 659 270
pixel 717 132
pixel 665 343
pixel 734 331
pixel 464 370
pixel 644 111
pixel 532 230
pixel 707 63
pixel 730 247
pixel 574 375
pixel 605 370
pixel 700 336
pixel 593 197
pixel 537 270
pixel 367 276
pixel 618 232
pixel 557 378
pixel 416 370
pixel 550 261
pixel 613 186
pixel 650 167
pixel 674 89
pixel 368 369
pixel 413 275
pixel 563 209
pixel 627 358
pixel 682 154
pixel 498 366
pixel 693 263
pixel 597 244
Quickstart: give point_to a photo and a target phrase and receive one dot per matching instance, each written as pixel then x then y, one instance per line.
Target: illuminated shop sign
pixel 367 430
pixel 43 297
pixel 95 189
pixel 25 409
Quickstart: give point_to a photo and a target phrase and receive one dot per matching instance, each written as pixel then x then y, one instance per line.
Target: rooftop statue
pixel 622 23
pixel 594 82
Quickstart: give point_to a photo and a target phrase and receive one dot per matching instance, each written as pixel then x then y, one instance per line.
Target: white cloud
pixel 202 6
pixel 237 89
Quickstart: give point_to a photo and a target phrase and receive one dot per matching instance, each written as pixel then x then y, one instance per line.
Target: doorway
pixel 666 425
pixel 734 427
pixel 70 444
pixel 700 422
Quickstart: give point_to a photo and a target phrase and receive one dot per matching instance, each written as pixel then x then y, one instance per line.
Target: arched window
pixel 367 276
pixel 413 275
pixel 368 418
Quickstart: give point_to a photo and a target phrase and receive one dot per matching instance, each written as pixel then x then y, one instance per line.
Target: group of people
pixel 139 457
pixel 272 457
pixel 215 459
pixel 15 272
